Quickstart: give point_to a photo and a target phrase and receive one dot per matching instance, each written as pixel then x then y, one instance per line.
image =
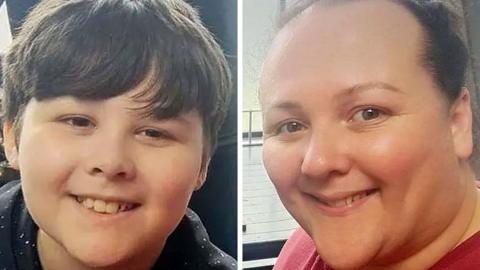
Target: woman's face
pixel 361 145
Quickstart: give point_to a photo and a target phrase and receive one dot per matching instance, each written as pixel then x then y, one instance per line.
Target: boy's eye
pixel 79 121
pixel 155 134
pixel 368 114
pixel 152 133
pixel 290 127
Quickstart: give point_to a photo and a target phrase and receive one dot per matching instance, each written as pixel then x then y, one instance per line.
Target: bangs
pixel 119 45
pixel 100 49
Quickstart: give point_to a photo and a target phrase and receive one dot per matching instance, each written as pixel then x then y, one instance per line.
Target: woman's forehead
pixel 344 40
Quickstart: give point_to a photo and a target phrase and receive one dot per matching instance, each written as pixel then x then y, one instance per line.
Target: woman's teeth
pixel 104 207
pixel 348 201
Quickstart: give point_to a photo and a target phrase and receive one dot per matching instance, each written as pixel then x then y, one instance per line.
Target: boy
pixel 111 112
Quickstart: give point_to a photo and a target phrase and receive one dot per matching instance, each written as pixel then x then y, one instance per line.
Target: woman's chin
pixel 347 257
pixel 347 262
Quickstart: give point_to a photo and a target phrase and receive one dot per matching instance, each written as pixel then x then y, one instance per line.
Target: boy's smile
pixel 106 206
pixel 103 182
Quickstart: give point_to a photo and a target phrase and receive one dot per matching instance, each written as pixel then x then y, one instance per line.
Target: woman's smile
pixel 341 203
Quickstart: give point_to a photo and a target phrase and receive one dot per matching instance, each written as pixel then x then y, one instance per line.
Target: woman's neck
pixel 465 224
pixel 474 224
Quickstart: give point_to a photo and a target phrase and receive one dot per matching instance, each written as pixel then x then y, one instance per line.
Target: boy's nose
pixel 111 161
pixel 325 156
pixel 113 169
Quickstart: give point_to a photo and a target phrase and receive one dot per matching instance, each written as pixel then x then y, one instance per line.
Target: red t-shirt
pixel 299 253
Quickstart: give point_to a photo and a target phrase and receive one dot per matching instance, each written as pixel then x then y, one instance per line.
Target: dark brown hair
pixel 98 49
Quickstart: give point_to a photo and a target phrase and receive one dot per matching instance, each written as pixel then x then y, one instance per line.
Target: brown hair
pixel 98 49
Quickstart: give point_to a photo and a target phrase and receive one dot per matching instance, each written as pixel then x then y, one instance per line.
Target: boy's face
pixel 81 159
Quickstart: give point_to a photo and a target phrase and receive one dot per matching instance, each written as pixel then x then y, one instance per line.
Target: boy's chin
pixel 102 254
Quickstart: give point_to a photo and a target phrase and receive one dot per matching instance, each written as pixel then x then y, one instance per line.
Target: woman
pixel 368 136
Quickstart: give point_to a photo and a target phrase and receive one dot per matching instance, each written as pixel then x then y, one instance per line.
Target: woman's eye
pixel 80 122
pixel 368 114
pixel 290 127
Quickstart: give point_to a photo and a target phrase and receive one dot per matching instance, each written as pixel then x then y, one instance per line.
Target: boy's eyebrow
pixel 181 117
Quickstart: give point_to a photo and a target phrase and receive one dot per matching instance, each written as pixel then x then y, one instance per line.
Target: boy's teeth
pixel 88 203
pixel 112 208
pixel 101 206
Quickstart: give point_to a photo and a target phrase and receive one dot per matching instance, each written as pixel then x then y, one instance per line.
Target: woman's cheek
pixel 393 157
pixel 282 162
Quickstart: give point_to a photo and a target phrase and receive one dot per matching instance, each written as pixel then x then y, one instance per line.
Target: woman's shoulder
pixel 464 256
pixel 299 252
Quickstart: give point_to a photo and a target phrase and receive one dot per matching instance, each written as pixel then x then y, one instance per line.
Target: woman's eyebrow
pixel 367 86
pixel 293 106
pixel 287 106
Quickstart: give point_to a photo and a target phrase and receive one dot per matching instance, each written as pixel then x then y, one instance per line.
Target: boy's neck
pixel 53 256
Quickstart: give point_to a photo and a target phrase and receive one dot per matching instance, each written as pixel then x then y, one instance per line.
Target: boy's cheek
pixel 168 181
pixel 46 158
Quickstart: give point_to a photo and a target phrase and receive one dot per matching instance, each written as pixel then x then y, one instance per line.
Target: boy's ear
pixel 202 176
pixel 10 145
pixel 461 125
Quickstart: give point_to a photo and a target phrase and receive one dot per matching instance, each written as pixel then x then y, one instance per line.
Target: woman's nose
pixel 325 155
